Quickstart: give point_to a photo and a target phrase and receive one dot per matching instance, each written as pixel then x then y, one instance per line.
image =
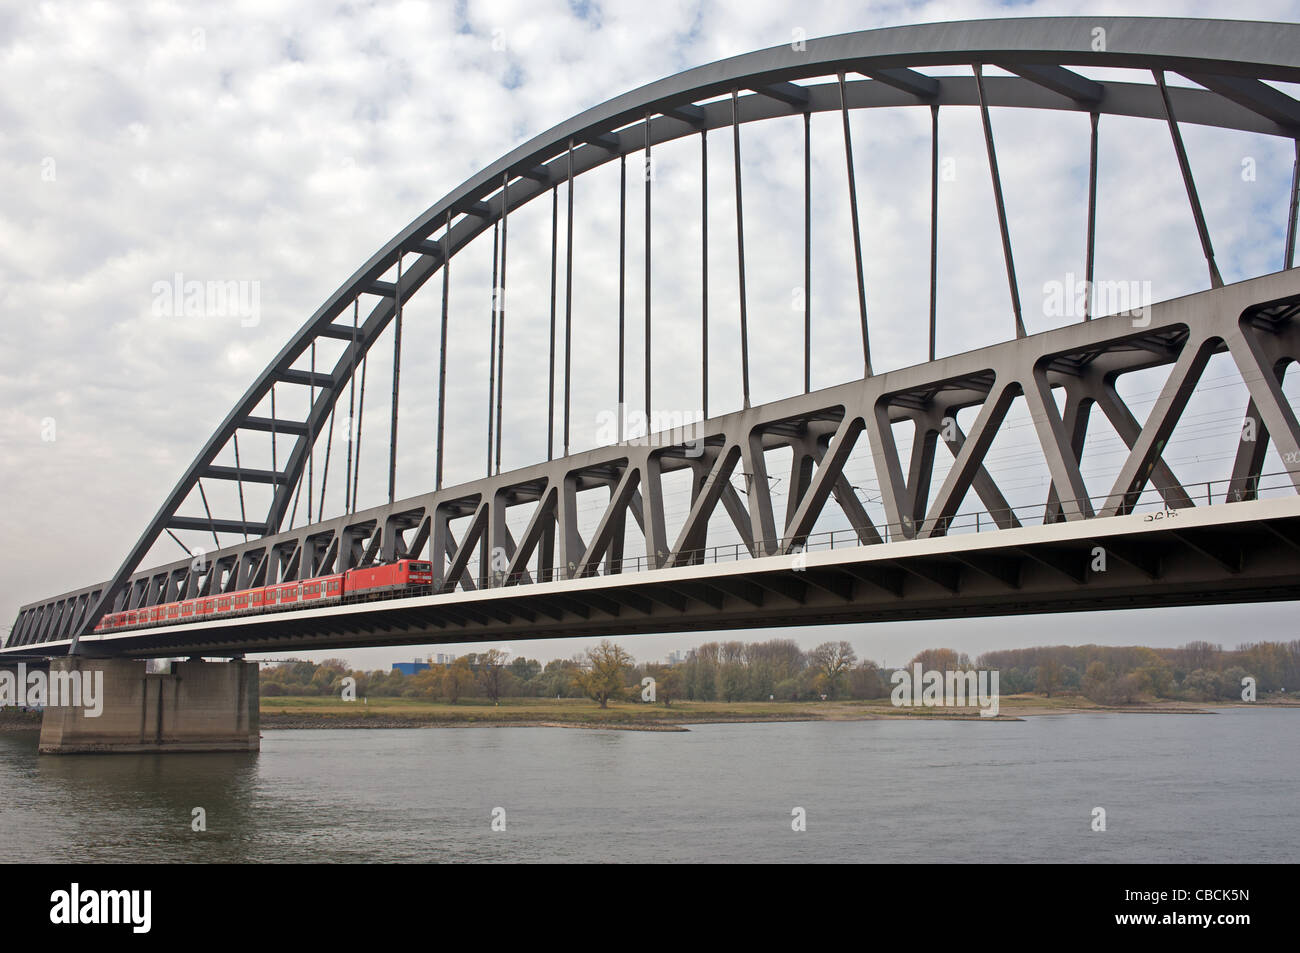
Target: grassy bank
pixel 332 712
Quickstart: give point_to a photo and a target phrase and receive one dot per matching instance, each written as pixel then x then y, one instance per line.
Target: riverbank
pixel 12 719
pixel 305 712
pixel 308 712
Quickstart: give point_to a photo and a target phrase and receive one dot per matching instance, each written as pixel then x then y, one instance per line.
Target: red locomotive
pixel 389 579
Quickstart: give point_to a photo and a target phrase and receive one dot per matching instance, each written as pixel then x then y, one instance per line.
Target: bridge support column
pixel 115 705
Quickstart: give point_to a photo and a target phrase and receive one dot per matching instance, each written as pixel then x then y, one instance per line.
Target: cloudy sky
pixel 278 146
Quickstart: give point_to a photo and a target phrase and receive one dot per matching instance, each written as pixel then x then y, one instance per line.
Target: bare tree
pixel 491 664
pixel 832 660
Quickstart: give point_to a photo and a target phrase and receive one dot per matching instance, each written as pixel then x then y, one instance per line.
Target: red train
pixel 391 578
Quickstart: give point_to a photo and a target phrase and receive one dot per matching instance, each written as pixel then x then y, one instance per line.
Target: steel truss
pixel 1255 322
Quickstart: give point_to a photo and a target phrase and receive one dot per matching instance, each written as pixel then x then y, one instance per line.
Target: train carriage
pixel 371 581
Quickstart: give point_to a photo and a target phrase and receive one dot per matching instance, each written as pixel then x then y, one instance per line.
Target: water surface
pixel 1179 788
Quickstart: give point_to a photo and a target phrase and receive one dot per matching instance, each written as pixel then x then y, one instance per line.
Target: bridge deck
pixel 1227 553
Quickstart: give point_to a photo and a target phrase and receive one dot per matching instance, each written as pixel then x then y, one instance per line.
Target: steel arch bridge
pixel 915 561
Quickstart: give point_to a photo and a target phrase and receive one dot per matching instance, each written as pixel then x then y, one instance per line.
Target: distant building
pixel 676 658
pixel 409 668
pixel 442 659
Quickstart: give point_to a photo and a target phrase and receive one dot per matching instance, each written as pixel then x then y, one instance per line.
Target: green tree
pixel 558 678
pixel 668 685
pixel 1049 675
pixel 865 681
pixel 1155 679
pixel 457 679
pixel 937 660
pixel 525 669
pixel 602 675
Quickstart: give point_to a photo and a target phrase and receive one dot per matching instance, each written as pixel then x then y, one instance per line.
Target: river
pixel 1175 788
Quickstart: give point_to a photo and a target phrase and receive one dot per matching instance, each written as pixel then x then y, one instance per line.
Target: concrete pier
pixel 197 706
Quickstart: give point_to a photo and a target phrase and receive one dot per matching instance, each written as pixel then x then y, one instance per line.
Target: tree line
pixel 779 670
pixel 1197 671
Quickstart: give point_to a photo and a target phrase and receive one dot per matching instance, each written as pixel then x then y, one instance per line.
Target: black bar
pixel 1096 899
